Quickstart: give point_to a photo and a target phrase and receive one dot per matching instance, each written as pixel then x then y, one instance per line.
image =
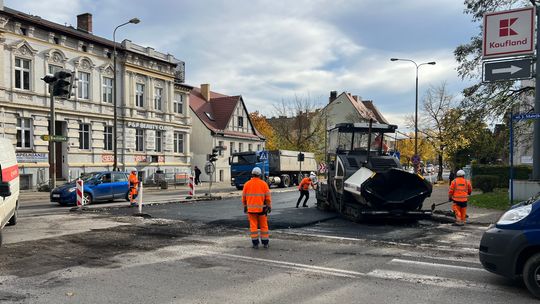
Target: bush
pixel 486 183
pixel 501 172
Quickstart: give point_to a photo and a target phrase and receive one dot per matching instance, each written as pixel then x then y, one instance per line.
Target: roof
pixel 361 108
pixel 216 113
pixel 68 30
pixel 370 106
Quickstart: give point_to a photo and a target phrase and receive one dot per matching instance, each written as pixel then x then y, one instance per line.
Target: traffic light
pixel 300 157
pixel 63 84
pixel 214 156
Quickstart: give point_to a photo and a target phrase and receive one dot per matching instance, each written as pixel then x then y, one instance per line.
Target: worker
pixel 133 182
pixel 304 190
pixel 257 204
pixel 460 189
pixel 313 178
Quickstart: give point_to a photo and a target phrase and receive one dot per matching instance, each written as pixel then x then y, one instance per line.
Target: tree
pixel 299 126
pixel 261 124
pixel 490 99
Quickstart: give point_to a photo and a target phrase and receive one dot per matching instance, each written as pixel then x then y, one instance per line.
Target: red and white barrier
pixel 79 190
pixel 191 186
pixel 140 197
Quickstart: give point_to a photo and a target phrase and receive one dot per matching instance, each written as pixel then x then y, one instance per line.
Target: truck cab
pixel 243 162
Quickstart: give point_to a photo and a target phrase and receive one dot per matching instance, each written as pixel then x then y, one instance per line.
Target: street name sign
pixel 526 116
pixel 508 70
pixel 508 33
pixel 54 137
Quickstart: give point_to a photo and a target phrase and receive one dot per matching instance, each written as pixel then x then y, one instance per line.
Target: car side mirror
pixel 5 191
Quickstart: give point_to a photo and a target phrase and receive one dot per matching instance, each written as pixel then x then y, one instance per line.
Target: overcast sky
pixel 267 51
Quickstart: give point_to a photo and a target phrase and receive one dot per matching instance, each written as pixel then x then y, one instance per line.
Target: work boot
pixel 255 246
pixel 265 246
pixel 305 206
pixel 296 206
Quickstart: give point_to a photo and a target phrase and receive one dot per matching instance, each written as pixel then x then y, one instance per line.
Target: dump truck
pixel 364 180
pixel 282 168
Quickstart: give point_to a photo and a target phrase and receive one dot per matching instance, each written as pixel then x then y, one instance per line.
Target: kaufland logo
pixel 508 32
pixel 505 30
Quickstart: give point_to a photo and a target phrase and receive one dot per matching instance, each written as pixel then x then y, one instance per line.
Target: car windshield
pixel 90 176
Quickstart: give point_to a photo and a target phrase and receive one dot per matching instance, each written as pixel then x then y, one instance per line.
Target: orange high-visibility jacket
pixel 304 184
pixel 460 189
pixel 133 180
pixel 256 195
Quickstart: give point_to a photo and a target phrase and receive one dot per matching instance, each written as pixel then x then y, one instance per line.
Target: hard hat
pixel 133 170
pixel 460 173
pixel 312 173
pixel 256 171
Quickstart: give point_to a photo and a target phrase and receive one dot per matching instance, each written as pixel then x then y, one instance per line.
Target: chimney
pixel 205 91
pixel 333 96
pixel 84 22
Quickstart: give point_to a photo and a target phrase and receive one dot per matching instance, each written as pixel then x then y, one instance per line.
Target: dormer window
pixel 84 48
pixel 24 31
pixel 209 115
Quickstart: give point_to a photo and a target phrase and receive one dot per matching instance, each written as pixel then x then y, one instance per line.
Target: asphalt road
pixel 200 253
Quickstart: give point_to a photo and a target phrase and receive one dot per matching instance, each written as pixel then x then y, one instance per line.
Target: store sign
pixel 142 125
pixel 509 33
pixel 32 157
pixel 107 158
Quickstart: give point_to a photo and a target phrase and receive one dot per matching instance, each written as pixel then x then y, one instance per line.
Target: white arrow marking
pixel 512 69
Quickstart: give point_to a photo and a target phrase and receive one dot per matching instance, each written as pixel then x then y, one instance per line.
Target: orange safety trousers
pixel 258 221
pixel 460 212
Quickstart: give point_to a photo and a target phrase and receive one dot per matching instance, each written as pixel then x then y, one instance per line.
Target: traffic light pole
pixel 52 147
pixel 536 132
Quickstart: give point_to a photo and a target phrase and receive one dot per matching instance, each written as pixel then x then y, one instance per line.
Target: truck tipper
pixel 281 168
pixel 363 180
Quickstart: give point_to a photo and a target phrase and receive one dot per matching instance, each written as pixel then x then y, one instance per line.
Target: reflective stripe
pixel 256 194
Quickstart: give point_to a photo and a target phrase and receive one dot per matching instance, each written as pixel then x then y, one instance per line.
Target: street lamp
pixel 115 103
pixel 416 108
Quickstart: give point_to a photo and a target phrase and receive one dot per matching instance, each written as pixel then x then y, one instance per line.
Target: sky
pixel 270 51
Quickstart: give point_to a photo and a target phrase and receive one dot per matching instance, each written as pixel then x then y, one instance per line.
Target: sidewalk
pixel 476 215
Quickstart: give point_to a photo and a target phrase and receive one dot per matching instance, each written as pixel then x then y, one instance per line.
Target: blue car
pixel 511 247
pixel 98 186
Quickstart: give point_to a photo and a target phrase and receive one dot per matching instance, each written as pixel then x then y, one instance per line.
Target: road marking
pixel 435 265
pixel 298 266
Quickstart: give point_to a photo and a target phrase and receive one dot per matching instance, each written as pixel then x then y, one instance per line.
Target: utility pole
pixel 52 144
pixel 536 131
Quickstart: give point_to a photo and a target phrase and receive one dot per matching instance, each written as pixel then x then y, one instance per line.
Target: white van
pixel 9 185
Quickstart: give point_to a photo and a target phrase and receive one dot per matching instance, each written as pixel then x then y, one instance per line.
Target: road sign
pixel 54 138
pixel 322 168
pixel 416 159
pixel 263 155
pixel 508 33
pixel 508 70
pixel 526 116
pixel 209 168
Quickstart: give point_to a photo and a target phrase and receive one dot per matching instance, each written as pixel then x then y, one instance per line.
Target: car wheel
pixel 531 274
pixel 13 220
pixel 0 237
pixel 87 199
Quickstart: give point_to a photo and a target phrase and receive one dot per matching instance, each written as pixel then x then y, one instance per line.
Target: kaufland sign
pixel 509 33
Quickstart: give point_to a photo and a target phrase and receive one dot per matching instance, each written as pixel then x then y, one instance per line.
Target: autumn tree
pixel 298 125
pixel 261 124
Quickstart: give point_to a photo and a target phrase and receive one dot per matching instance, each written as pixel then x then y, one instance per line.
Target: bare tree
pixel 298 124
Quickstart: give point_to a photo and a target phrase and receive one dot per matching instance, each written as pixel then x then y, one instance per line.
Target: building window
pixel 240 122
pixel 139 95
pixel 159 141
pixel 178 103
pixel 108 138
pixel 178 142
pixel 232 148
pixel 158 103
pixel 221 144
pixel 240 147
pixel 84 136
pixel 258 147
pixel 54 68
pixel 250 147
pixel 22 74
pixel 24 133
pixel 107 89
pixel 139 140
pixel 84 85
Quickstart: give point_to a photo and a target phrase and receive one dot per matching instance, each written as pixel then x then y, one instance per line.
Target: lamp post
pixel 115 103
pixel 416 108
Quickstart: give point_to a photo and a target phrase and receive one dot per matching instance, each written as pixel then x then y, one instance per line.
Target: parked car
pixel 9 185
pixel 430 169
pixel 511 247
pixel 98 186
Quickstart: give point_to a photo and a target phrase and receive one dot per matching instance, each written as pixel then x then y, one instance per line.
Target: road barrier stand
pixel 80 191
pixel 191 187
pixel 140 197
